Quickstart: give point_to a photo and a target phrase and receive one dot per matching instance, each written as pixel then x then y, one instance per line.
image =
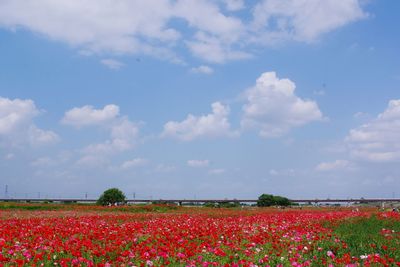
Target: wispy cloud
pixel 112 64
pixel 202 69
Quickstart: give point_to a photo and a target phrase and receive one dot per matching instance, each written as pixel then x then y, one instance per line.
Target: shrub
pixel 223 204
pixel 210 205
pixel 111 196
pixel 233 204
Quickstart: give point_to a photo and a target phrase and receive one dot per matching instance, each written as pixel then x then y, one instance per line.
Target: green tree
pixel 265 200
pixel 281 201
pixel 111 196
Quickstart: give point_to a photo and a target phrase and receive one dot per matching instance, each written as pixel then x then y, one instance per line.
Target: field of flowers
pixel 199 237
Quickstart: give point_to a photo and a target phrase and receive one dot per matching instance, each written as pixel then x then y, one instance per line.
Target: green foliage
pixel 210 205
pixel 224 204
pixel 266 200
pixel 365 236
pixel 227 204
pixel 111 196
pixel 160 208
pixel 18 206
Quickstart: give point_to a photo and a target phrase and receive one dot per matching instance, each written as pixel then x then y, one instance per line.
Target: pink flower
pixel 330 254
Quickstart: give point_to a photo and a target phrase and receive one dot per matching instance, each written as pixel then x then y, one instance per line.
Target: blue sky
pixel 206 99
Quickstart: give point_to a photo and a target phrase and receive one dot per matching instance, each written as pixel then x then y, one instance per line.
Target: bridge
pixel 180 201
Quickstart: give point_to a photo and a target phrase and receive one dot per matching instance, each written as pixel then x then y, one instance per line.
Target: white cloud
pixel 333 166
pixel 87 115
pixel 283 172
pixel 202 69
pixel 378 140
pixel 214 49
pixel 273 107
pixel 52 161
pixel 205 16
pixel 15 114
pixel 217 171
pixel 234 5
pixel 112 64
pixel 92 161
pixel 144 26
pixel 94 25
pixel 17 126
pixel 123 137
pixel 39 137
pixel 302 20
pixel 124 134
pixel 134 163
pixel 211 125
pixel 196 163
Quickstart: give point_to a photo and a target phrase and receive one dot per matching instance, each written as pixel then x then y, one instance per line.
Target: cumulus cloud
pixel 124 133
pixel 39 137
pixel 88 115
pixel 333 166
pixel 234 5
pixel 302 20
pixel 112 64
pixel 214 49
pixel 202 69
pixel 378 140
pixel 273 108
pixel 209 30
pixel 211 125
pixel 15 114
pixel 17 126
pixel 94 25
pixel 196 163
pixel 123 137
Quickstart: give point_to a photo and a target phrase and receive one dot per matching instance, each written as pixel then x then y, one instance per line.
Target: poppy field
pixel 199 237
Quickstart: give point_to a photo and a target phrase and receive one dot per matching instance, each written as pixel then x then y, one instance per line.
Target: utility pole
pixel 6 192
pixel 85 195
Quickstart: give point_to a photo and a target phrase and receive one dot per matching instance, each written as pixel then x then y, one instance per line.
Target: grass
pixel 86 207
pixel 16 206
pixel 370 235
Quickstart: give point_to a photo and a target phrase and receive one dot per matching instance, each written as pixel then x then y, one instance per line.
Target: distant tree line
pixel 114 196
